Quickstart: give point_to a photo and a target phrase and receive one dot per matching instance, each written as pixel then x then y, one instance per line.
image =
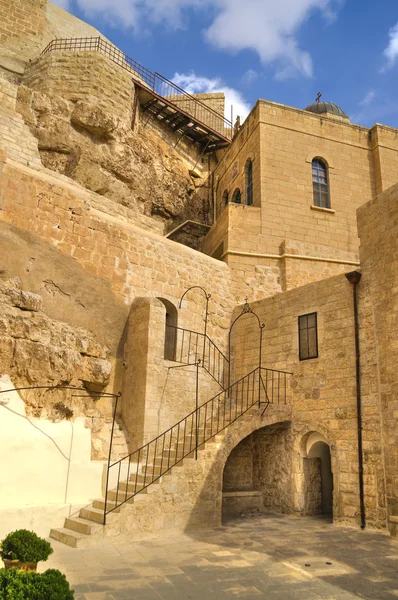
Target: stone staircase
pixel 135 479
pixel 85 529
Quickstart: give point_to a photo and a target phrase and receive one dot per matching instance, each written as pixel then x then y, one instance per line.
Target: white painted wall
pixel 46 471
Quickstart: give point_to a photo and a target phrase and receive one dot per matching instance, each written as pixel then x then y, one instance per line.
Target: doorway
pixel 318 480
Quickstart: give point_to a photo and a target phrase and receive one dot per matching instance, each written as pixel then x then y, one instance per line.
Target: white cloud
pixel 368 98
pixel 391 52
pixel 375 107
pixel 65 4
pixel 195 84
pixel 267 27
pixel 249 77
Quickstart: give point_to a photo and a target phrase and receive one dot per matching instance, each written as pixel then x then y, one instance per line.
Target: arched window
pixel 170 339
pixel 225 198
pixel 320 185
pixel 236 198
pixel 249 182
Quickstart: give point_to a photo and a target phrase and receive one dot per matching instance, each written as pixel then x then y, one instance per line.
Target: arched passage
pixel 257 473
pixel 171 323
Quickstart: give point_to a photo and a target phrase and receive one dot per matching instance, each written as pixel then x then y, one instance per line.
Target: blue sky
pixel 281 50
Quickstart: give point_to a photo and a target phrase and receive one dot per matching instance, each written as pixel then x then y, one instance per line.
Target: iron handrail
pixel 213 360
pixel 183 419
pixel 212 118
pixel 212 420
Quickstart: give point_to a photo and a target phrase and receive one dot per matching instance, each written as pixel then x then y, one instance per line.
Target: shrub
pixel 25 546
pixel 19 585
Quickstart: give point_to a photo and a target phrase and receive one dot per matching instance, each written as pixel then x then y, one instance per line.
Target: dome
pixel 321 108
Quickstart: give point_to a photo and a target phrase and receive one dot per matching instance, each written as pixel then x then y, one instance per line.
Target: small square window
pixel 308 336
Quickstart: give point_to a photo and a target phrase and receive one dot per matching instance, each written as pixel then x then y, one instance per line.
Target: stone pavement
pixel 261 556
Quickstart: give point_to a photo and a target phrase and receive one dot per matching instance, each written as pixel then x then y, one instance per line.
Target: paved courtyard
pixel 263 556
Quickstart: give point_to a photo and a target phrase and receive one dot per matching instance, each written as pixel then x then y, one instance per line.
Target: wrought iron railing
pixel 137 471
pixel 187 347
pixel 155 81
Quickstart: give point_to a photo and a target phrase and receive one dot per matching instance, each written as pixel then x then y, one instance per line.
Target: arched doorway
pixel 318 478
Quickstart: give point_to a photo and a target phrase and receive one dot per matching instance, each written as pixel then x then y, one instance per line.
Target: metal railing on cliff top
pixel 154 81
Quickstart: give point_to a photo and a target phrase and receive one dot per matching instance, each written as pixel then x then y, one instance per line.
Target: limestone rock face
pixel 40 351
pixel 94 120
pixel 138 169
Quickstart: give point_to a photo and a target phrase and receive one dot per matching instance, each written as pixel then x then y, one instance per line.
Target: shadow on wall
pixel 47 463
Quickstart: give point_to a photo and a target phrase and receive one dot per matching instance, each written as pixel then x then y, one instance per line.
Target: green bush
pixel 25 546
pixel 19 585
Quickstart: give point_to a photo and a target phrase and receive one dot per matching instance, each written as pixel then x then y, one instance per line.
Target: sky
pixel 285 51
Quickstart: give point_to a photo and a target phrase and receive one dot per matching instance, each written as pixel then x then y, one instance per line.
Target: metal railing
pixel 137 471
pixel 168 90
pixel 187 347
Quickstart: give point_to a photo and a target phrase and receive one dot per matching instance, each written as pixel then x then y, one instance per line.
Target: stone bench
pixel 237 502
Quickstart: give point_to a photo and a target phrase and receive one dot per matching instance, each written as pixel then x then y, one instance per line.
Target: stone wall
pixel 91 264
pixel 88 76
pixel 15 135
pixel 105 244
pixel 28 26
pixel 230 173
pixel 263 462
pixel 378 324
pixel 322 392
pixel 284 229
pixel 21 31
pixel 158 392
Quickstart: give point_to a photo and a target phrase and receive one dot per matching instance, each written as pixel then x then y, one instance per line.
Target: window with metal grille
pixel 320 185
pixel 308 336
pixel 236 198
pixel 249 182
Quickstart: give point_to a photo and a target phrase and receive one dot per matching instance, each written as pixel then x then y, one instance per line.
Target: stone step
pixel 118 497
pixel 110 504
pixel 133 488
pixel 82 525
pixel 71 538
pixel 140 479
pixel 94 514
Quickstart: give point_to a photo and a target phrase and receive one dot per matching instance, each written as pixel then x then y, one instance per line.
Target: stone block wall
pixel 384 143
pixel 322 392
pixel 15 135
pixel 133 261
pixel 87 76
pixel 22 25
pixel 262 462
pixel 378 302
pixel 230 173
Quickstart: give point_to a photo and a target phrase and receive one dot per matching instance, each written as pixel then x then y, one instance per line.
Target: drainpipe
pixel 354 278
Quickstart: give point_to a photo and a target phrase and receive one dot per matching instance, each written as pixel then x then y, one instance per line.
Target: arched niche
pixel 171 324
pixel 249 181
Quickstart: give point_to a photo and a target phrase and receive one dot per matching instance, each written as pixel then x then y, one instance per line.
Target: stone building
pixel 238 286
